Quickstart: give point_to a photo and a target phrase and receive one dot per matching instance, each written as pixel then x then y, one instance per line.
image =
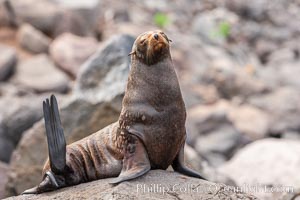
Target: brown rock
pixel 69 51
pixel 268 162
pixel 32 39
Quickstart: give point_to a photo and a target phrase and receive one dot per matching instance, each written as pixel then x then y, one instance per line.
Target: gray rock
pixel 195 94
pixel 69 22
pixel 281 73
pixel 69 51
pixel 250 121
pixel 6 148
pixel 280 57
pixel 208 24
pixel 81 116
pixel 283 107
pixel 40 74
pixel 34 13
pixel 4 15
pixel 253 10
pixel 3 178
pixel 8 60
pixel 59 17
pixel 232 82
pixel 106 71
pixel 212 133
pixel 220 143
pixel 198 163
pixel 293 195
pixel 269 162
pixel 32 39
pixel 156 184
pixel 88 11
pixel 205 118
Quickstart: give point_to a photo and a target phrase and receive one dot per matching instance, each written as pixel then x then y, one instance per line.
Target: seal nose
pixel 156 36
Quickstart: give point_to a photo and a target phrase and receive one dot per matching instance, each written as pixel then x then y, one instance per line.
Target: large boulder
pixel 106 71
pixel 69 51
pixel 40 74
pixel 156 184
pixel 34 13
pixel 81 116
pixel 8 60
pixel 269 162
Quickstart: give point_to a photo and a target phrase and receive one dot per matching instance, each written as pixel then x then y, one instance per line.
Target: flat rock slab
pixel 157 184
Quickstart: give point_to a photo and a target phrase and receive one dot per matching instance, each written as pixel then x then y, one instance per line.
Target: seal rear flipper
pixel 48 184
pixel 135 162
pixel 179 166
pixel 55 136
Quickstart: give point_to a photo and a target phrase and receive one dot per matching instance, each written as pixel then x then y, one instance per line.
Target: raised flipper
pixel 55 136
pixel 135 161
pixel 56 148
pixel 179 166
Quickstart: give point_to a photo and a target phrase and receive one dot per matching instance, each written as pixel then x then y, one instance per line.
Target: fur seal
pixel 150 132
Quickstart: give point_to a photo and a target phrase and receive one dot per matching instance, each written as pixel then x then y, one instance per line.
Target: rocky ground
pixel 237 62
pixel 157 184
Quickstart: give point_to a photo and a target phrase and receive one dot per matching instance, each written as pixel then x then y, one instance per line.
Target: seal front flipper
pixel 135 162
pixel 179 166
pixel 57 149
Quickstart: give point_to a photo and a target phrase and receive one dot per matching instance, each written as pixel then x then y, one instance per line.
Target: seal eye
pixel 142 41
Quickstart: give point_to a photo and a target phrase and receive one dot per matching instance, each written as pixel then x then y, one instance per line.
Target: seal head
pixel 151 47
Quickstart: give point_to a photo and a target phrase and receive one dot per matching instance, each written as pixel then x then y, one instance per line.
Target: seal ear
pixel 131 53
pixel 135 162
